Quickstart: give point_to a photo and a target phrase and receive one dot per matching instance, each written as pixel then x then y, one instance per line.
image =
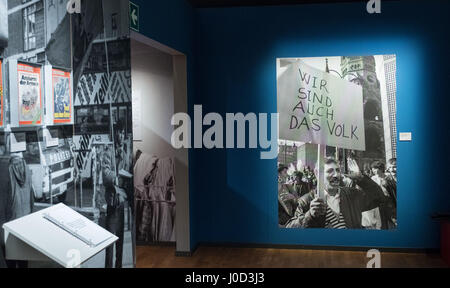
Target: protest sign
pixel 317 107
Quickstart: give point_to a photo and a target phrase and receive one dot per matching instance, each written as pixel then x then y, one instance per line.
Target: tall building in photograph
pixel 362 71
pixel 390 68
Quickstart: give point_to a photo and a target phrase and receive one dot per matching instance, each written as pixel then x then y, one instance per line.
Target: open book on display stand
pixel 78 225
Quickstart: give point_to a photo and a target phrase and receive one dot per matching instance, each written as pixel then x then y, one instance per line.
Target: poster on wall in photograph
pixel 62 99
pixel 1 93
pixel 337 165
pixel 30 104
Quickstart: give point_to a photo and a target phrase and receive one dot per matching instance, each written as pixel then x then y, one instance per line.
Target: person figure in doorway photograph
pixel 118 190
pixel 341 207
pixel 391 170
pixel 286 201
pixel 372 219
pixel 20 198
pixel 298 187
pixel 387 211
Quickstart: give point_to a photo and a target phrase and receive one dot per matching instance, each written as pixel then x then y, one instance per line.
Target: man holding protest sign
pixel 341 207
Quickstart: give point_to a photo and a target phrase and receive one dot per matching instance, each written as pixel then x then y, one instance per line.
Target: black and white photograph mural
pixel 78 153
pixel 337 154
pixel 155 198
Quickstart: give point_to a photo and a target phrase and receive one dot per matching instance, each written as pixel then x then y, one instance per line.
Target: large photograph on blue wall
pixel 337 147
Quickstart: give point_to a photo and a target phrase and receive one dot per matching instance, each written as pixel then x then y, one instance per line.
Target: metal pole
pixel 321 150
pixel 75 190
pixel 50 186
pixel 109 92
pixel 94 175
pixel 73 100
pixel 81 191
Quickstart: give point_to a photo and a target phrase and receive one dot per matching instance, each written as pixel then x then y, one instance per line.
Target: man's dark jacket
pixel 353 202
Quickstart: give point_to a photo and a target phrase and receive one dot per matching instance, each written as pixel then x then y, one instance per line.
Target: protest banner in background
pixel 317 107
pixel 62 100
pixel 1 94
pixel 30 104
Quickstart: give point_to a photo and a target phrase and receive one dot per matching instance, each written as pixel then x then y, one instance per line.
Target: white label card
pixel 406 136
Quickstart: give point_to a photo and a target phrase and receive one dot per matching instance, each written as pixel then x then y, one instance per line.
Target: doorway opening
pixel 159 90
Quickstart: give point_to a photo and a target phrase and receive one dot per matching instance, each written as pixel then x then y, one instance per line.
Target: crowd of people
pixel 353 200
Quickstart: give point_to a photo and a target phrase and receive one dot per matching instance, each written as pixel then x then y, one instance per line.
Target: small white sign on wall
pixel 405 136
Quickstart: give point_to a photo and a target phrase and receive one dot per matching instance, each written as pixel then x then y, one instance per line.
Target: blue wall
pixel 234 196
pixel 231 56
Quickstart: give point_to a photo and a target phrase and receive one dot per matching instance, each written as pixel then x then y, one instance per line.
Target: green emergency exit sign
pixel 134 16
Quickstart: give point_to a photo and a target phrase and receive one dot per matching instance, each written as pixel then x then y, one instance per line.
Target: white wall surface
pixel 152 78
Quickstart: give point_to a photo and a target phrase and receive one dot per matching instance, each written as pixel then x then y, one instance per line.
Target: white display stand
pixel 34 238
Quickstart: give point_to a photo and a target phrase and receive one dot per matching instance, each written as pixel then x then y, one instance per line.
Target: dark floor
pixel 221 257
